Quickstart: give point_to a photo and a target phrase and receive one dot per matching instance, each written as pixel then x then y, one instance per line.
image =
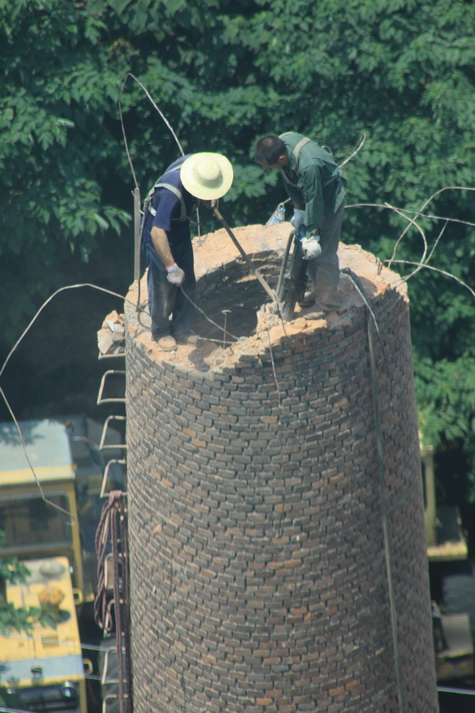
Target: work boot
pixel 187 338
pixel 167 343
pixel 307 300
pixel 317 314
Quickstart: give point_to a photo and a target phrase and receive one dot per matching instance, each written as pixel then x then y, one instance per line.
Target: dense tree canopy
pixel 400 72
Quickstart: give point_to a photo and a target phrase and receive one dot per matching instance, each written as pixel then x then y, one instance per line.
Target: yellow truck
pixel 50 505
pixel 40 522
pixel 50 484
pixel 43 670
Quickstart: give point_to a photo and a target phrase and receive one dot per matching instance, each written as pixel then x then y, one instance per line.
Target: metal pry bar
pixel 253 269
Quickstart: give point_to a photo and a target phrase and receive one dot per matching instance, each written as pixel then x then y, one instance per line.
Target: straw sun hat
pixel 207 175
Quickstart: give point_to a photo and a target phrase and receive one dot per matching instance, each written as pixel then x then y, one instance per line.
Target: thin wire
pixel 359 146
pixel 418 213
pixel 359 287
pixel 274 371
pixel 17 425
pixel 147 93
pixel 281 431
pixel 372 325
pixel 411 221
pixel 423 263
pixel 61 289
pixel 435 244
pixel 129 158
pixel 385 518
pixel 206 316
pixel 72 520
pixel 442 272
pixel 124 134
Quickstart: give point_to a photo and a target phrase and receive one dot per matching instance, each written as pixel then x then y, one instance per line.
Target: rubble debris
pixel 111 336
pixel 214 251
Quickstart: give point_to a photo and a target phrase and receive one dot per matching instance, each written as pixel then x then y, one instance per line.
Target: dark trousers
pixel 324 271
pixel 170 310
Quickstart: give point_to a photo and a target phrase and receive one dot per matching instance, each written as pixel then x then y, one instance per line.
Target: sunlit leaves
pixel 55 93
pixel 446 398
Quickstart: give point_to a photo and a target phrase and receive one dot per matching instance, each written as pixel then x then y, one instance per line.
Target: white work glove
pixel 175 274
pixel 311 248
pixel 298 218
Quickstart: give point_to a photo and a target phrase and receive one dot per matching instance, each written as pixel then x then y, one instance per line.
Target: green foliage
pixel 11 569
pixel 446 399
pixel 445 393
pixel 223 74
pixel 54 147
pixel 20 618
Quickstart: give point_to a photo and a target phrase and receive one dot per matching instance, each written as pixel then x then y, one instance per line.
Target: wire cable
pixel 372 327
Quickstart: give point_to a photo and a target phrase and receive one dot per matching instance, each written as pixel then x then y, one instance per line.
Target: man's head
pixel 271 152
pixel 207 175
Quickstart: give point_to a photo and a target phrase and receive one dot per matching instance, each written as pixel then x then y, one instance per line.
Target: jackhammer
pixel 292 283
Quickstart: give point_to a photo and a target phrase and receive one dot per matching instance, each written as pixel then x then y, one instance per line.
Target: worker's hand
pixel 298 218
pixel 175 274
pixel 311 248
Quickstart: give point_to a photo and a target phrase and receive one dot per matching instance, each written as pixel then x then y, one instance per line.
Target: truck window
pixel 30 521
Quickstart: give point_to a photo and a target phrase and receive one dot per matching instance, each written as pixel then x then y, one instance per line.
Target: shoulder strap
pixel 178 194
pixel 162 184
pixel 295 154
pixel 336 174
pixel 296 150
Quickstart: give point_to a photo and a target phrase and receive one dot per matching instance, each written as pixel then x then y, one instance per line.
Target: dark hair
pixel 269 149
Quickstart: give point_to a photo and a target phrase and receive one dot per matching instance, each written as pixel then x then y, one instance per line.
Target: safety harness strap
pixel 178 194
pixel 162 184
pixel 295 153
pixel 296 150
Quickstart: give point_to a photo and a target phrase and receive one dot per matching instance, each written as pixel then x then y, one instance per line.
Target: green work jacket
pixel 312 179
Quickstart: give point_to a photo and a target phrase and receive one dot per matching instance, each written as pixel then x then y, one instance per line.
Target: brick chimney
pixel 257 554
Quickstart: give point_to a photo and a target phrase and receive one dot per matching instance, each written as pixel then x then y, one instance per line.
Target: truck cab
pixel 43 670
pixel 51 478
pixel 38 502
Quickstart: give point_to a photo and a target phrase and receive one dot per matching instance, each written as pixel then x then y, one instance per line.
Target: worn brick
pixel 256 545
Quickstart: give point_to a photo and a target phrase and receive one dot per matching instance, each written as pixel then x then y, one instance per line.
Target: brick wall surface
pixel 255 521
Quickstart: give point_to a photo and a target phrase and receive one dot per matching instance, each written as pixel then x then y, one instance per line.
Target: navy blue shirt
pixel 168 208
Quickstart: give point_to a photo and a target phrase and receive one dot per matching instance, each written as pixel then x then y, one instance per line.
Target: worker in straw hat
pixel 166 241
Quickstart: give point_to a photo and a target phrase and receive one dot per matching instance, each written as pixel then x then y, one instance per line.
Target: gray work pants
pixel 324 271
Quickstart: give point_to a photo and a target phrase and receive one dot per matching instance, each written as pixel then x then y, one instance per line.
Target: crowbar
pixel 253 269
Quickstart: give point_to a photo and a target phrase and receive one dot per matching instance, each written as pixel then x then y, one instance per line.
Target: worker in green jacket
pixel 316 187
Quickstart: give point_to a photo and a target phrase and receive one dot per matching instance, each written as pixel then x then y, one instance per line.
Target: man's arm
pixel 175 274
pixel 311 182
pixel 162 246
